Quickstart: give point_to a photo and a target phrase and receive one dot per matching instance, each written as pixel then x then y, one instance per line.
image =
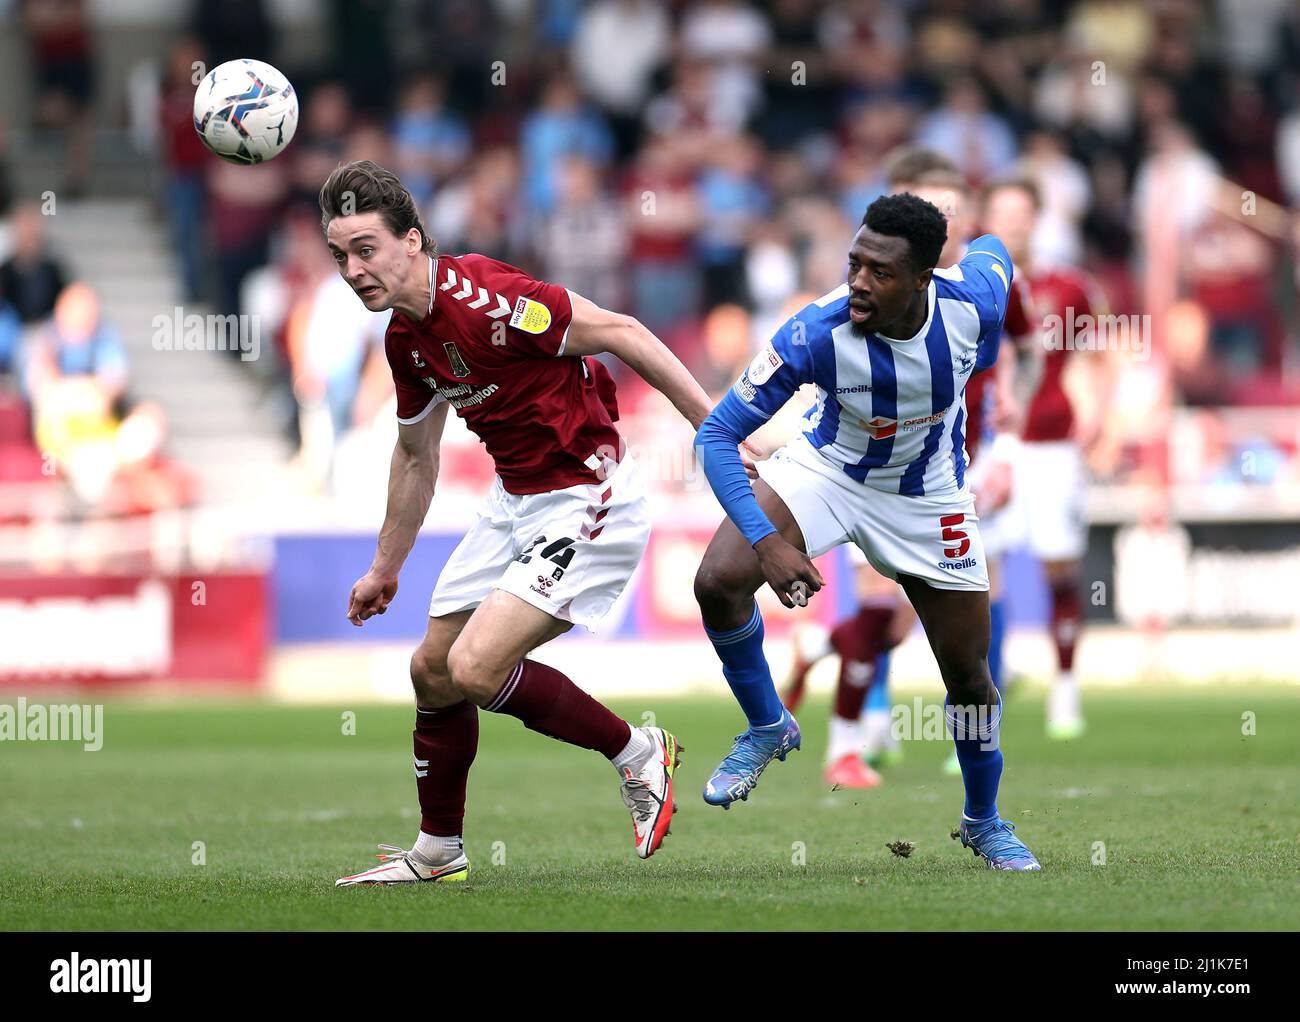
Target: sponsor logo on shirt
pixel 882 429
pixel 765 363
pixel 745 390
pixel 464 396
pixel 860 388
pixel 531 317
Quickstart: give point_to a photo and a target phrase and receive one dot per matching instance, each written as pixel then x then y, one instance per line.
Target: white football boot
pixel 648 792
pixel 400 867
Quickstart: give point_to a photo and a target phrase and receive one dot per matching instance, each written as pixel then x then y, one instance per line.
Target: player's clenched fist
pixel 371 595
pixel 788 570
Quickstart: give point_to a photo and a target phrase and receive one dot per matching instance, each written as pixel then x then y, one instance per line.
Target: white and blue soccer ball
pixel 245 111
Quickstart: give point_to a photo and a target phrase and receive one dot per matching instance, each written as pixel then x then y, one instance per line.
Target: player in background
pixel 1050 471
pixel 562 529
pixel 884 618
pixel 882 464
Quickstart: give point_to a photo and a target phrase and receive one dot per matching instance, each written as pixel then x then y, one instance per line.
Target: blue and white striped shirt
pixel 890 412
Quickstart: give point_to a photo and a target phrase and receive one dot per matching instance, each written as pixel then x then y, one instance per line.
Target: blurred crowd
pixel 702 165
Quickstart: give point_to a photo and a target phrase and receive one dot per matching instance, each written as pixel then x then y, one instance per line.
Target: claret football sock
pixel 1067 618
pixel 859 641
pixel 976 735
pixel 445 743
pixel 549 703
pixel 746 670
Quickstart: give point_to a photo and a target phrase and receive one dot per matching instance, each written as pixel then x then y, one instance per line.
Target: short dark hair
pixel 907 165
pixel 918 222
pixel 365 187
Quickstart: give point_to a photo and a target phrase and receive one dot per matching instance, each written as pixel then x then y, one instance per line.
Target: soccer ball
pixel 245 111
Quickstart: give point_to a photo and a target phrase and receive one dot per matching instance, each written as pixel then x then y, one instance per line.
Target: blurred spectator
pixel 640 32
pixel 732 203
pixel 233 29
pixel 968 133
pixel 32 278
pixel 322 136
pixel 242 207
pixel 184 156
pixel 431 142
pixel 478 212
pixel 563 125
pixel 1066 194
pixel 664 215
pixel 730 36
pixel 60 36
pixel 77 344
pixel 582 244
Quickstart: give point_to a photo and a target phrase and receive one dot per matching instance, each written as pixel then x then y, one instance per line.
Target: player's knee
pixel 431 679
pixel 718 587
pixel 472 674
pixel 966 677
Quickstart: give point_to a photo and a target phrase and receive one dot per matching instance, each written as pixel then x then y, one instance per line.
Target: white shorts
pixel 567 552
pixel 1049 484
pixel 935 539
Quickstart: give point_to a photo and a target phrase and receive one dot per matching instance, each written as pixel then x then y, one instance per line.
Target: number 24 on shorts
pixel 559 553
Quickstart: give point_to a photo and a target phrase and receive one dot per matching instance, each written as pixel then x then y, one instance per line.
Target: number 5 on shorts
pixel 951 534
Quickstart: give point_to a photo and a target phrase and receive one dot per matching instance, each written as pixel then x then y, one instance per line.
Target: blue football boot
pixel 753 751
pixel 994 841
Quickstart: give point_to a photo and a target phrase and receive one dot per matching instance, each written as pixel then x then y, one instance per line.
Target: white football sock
pixel 433 850
pixel 878 728
pixel 635 752
pixel 1064 703
pixel 846 737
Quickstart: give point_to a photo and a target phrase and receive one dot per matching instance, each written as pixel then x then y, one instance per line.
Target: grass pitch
pixel 1198 824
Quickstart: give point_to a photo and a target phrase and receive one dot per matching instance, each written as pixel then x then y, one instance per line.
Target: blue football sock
pixel 878 694
pixel 980 754
pixel 746 670
pixel 997 631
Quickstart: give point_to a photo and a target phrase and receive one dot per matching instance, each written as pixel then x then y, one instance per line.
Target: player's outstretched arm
pixel 595 331
pixel 411 478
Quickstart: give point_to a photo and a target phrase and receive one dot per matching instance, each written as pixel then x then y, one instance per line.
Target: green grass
pixel 1200 825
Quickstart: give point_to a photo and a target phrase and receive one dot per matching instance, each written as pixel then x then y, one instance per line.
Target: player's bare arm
pixel 411 478
pixel 597 331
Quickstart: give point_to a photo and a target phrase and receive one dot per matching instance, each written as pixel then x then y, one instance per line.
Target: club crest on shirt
pixel 458 367
pixel 531 317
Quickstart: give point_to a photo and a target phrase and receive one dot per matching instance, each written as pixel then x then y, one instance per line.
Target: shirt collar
pixel 432 265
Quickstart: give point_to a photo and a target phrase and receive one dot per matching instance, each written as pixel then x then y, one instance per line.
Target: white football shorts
pixel 935 539
pixel 567 552
pixel 1050 486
